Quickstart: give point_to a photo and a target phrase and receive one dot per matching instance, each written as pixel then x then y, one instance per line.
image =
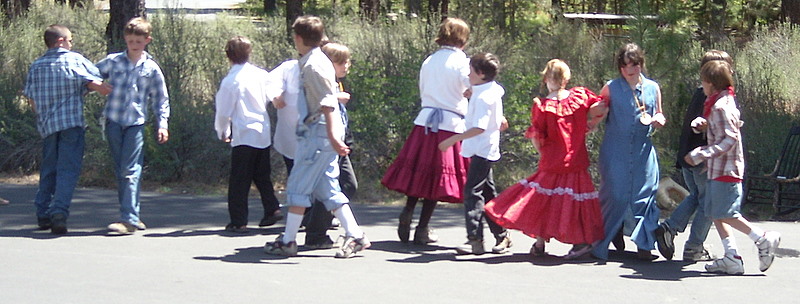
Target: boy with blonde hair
pixel 138 82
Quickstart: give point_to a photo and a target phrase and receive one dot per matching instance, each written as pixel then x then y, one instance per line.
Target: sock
pixel 729 243
pixel 292 225
pixel 755 234
pixel 345 216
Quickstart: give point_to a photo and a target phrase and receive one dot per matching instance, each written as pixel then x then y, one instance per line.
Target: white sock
pixel 345 216
pixel 293 222
pixel 729 243
pixel 755 234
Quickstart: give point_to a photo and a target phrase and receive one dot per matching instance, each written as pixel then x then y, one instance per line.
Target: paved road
pixel 185 257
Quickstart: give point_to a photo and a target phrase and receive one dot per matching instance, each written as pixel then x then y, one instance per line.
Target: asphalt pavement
pixel 184 256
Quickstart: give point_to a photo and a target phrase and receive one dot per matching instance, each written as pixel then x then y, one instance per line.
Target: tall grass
pixel 383 81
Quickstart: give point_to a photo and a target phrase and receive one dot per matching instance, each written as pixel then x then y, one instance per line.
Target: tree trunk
pixel 13 8
pixel 369 9
pixel 790 11
pixel 120 12
pixel 294 9
pixel 413 6
pixel 270 7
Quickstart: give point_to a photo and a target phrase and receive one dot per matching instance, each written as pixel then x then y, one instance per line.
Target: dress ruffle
pixel 563 206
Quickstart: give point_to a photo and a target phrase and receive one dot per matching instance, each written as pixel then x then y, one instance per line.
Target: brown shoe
pixel 122 228
pixel 424 235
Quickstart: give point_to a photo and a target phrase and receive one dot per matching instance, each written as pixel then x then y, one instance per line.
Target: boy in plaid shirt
pixel 138 83
pixel 55 86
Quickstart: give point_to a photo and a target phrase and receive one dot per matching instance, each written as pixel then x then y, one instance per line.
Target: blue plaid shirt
pixel 135 84
pixel 57 82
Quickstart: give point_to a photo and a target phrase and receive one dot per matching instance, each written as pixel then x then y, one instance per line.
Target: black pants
pixel 249 165
pixel 477 191
pixel 319 219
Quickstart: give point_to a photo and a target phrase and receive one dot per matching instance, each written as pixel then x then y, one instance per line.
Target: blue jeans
pixel 696 179
pixel 315 174
pixel 127 150
pixel 62 156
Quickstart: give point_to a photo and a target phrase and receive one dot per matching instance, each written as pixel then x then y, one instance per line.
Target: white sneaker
pixel 767 245
pixel 351 246
pixel 728 264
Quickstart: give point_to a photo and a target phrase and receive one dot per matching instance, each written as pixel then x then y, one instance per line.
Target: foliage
pixel 383 81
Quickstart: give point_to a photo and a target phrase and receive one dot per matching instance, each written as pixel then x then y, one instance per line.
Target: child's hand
pixel 100 87
pixel 278 102
pixel 163 135
pixel 699 124
pixel 689 160
pixel 343 97
pixel 340 148
pixel 659 120
pixel 504 124
pixel 446 144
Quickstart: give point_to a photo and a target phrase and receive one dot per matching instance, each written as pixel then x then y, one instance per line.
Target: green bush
pixel 383 81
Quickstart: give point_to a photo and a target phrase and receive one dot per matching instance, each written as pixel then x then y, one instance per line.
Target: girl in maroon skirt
pixel 420 170
pixel 559 200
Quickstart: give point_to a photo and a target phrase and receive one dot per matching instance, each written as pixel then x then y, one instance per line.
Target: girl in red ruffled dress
pixel 559 200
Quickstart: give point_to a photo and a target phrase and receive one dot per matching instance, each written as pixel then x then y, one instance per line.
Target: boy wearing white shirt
pixel 242 120
pixel 481 143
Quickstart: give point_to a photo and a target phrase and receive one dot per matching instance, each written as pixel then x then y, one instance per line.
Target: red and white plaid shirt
pixel 723 154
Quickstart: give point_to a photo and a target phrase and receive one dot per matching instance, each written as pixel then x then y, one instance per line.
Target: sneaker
pixel 122 228
pixel 404 225
pixel 696 254
pixel 44 223
pixel 767 245
pixel 59 223
pixel 351 246
pixel 424 235
pixel 577 251
pixel 140 225
pixel 502 245
pixel 537 251
pixel 665 239
pixel 236 229
pixel 279 248
pixel 271 219
pixel 728 264
pixel 318 243
pixel 471 247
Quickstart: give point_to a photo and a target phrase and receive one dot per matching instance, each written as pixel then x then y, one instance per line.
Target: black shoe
pixel 44 223
pixel 270 220
pixel 404 227
pixel 665 240
pixel 323 242
pixel 59 223
pixel 619 242
pixel 236 229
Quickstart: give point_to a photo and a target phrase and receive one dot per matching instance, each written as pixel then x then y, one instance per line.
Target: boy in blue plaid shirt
pixel 138 83
pixel 55 86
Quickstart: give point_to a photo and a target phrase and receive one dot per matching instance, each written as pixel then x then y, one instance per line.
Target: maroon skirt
pixel 421 170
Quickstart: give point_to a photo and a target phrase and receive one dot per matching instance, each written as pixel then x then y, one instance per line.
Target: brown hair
pixel 632 52
pixel 337 53
pixel 310 28
pixel 717 55
pixel 453 32
pixel 718 73
pixel 138 26
pixel 557 70
pixel 53 33
pixel 238 49
pixel 486 63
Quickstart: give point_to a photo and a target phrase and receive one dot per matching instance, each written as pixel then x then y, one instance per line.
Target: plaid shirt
pixel 135 84
pixel 57 82
pixel 723 154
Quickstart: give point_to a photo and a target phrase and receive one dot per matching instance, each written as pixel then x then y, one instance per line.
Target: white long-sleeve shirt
pixel 443 78
pixel 241 107
pixel 285 80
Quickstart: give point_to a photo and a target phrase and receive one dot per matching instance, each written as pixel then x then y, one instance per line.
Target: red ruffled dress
pixel 559 200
